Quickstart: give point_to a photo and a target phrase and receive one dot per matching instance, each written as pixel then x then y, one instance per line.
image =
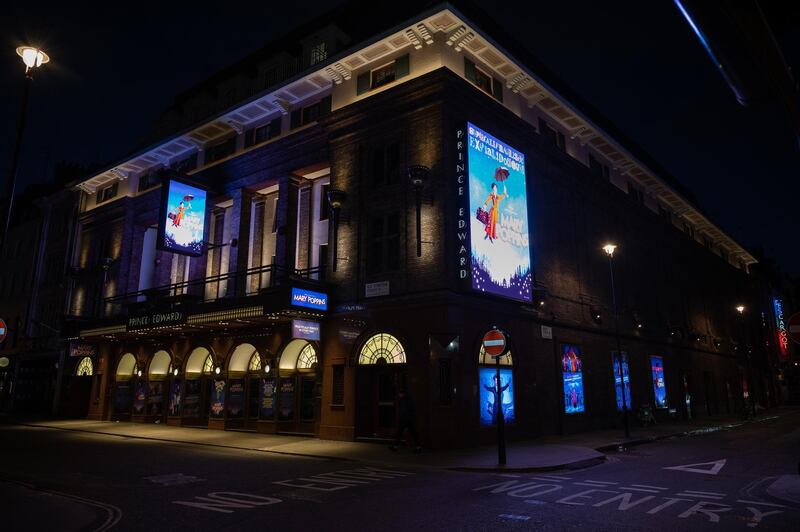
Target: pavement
pixel 548 453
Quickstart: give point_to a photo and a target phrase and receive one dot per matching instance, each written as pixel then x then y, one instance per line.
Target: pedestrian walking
pixel 406 420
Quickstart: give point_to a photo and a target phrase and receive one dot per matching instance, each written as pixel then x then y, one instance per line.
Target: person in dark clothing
pixel 407 419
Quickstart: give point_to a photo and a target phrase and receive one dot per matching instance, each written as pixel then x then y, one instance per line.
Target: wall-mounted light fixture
pixel 336 199
pixel 266 367
pixel 138 373
pixel 217 370
pixel 418 175
pixel 175 372
pixel 597 314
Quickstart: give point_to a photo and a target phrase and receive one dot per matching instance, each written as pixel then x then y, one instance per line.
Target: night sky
pixel 114 69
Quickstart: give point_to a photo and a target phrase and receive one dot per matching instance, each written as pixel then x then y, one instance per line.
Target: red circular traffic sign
pixel 3 329
pixel 793 327
pixel 494 343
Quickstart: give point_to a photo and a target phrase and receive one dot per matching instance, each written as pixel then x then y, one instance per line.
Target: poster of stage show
pixel 572 369
pixel 659 388
pixel 183 218
pixel 489 392
pixel 498 206
pixel 618 383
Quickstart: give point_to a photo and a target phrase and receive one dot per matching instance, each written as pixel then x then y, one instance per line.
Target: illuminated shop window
pixel 572 371
pixel 85 368
pixel 505 360
pixel 255 362
pixel 382 349
pixel 208 365
pixel 307 359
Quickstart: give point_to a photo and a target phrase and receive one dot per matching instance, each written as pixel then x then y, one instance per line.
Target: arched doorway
pixel 381 375
pixel 123 386
pixel 157 375
pixel 298 389
pixel 78 390
pixel 488 391
pixel 244 372
pixel 198 376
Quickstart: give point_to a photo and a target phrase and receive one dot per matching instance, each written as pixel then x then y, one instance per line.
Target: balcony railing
pixel 213 288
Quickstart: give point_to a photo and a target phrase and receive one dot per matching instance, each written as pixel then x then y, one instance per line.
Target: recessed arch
pixel 85 368
pixel 159 364
pixel 505 360
pixel 240 359
pixel 298 354
pixel 126 366
pixel 382 348
pixel 197 360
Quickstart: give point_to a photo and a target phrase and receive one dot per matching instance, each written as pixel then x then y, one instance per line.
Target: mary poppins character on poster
pixel 183 219
pixel 498 201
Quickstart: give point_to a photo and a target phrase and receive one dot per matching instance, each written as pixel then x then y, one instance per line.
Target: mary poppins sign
pixel 156 319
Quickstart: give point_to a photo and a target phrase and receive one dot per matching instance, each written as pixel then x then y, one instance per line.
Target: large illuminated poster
pixel 487 377
pixel 498 207
pixel 618 381
pixel 183 215
pixel 572 370
pixel 659 388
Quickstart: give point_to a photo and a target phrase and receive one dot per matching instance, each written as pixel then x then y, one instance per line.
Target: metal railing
pixel 214 287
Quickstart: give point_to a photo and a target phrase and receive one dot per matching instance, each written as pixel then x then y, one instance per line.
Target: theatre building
pixel 346 215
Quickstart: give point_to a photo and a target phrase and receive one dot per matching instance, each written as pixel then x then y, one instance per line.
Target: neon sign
pixel 783 336
pixel 309 299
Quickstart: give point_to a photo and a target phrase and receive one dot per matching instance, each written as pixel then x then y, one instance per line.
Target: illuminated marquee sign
pixel 309 299
pixel 780 325
pixel 492 238
pixel 156 319
pixel 182 219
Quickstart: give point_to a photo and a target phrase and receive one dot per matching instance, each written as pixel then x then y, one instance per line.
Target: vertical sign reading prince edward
pixel 183 215
pixel 498 206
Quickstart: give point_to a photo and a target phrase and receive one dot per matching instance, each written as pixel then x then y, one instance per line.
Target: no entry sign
pixel 793 327
pixel 3 329
pixel 494 343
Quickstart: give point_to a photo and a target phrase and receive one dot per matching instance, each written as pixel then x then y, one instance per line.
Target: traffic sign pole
pixel 501 419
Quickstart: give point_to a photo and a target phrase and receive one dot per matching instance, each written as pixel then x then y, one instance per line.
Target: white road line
pixel 545 479
pixel 648 487
pixel 515 517
pixel 553 477
pixel 763 503
pixel 626 488
pixel 590 484
pixel 508 475
pixel 698 496
pixel 706 492
pixel 601 482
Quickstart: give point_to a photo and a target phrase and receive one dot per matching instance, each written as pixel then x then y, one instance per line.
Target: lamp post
pixel 743 345
pixel 609 249
pixel 418 175
pixel 33 58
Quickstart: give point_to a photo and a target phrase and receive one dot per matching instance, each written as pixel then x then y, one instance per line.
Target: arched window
pixel 505 360
pixel 382 349
pixel 307 359
pixel 160 364
pixel 241 359
pixel 208 365
pixel 85 368
pixel 126 367
pixel 255 362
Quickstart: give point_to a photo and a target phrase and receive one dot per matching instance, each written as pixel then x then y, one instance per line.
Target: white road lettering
pixel 582 495
pixel 175 479
pixel 703 507
pixel 318 486
pixel 758 516
pixel 223 501
pixel 515 517
pixel 715 468
pixel 670 502
pixel 539 489
pixel 624 501
pixel 500 487
pixel 339 480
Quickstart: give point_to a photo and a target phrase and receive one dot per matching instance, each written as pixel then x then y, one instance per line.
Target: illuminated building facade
pixel 372 207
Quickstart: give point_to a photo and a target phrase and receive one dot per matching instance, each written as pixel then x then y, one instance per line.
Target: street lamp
pixel 33 58
pixel 609 249
pixel 740 309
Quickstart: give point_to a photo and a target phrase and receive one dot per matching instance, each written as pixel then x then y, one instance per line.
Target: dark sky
pixel 114 68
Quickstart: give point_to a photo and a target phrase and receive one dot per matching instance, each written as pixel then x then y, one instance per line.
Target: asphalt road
pixel 61 480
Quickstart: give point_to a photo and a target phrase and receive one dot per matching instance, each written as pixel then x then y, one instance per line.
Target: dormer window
pixel 107 193
pixel 319 53
pixel 383 75
pixel 488 84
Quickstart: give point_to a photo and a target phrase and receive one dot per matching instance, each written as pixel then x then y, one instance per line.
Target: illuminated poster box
pixel 625 377
pixel 572 370
pixel 306 330
pixel 659 388
pixel 498 211
pixel 488 395
pixel 181 227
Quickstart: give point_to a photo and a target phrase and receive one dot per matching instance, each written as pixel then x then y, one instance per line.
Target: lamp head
pixel 740 309
pixel 32 57
pixel 336 198
pixel 609 249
